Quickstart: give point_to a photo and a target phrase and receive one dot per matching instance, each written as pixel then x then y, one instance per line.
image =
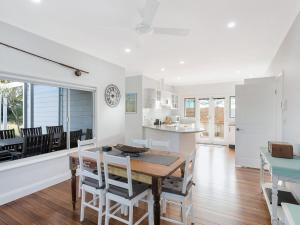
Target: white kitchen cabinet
pixel 150 98
pixel 155 97
pixel 174 101
pixel 166 100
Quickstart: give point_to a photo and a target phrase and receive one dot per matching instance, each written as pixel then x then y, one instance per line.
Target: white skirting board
pixel 27 190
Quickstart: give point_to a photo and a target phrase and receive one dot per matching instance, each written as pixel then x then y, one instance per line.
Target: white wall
pixel 134 121
pixel 110 122
pixel 216 90
pixel 286 61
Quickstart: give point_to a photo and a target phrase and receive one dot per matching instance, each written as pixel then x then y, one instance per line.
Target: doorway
pixel 211 114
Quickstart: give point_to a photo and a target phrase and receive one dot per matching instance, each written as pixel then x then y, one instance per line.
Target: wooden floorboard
pixel 223 195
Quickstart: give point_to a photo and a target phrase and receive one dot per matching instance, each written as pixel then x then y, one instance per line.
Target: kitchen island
pixel 181 137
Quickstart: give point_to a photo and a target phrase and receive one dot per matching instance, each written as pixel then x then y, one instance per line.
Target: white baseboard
pixel 247 162
pixel 29 189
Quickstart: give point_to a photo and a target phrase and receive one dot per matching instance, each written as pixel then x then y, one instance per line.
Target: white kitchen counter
pixel 179 129
pixel 181 138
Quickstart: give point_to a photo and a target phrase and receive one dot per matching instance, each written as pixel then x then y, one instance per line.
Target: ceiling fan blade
pixel 171 31
pixel 149 12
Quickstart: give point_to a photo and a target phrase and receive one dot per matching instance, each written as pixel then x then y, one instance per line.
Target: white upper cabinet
pixel 156 98
pixel 152 97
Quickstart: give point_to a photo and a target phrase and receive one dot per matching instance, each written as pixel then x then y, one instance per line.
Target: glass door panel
pixel 204 116
pixel 219 116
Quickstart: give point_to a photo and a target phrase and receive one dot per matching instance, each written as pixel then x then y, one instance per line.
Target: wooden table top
pixel 146 168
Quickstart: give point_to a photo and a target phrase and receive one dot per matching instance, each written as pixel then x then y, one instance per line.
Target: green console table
pixel 284 170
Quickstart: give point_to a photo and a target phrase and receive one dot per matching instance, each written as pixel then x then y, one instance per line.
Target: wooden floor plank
pixel 223 195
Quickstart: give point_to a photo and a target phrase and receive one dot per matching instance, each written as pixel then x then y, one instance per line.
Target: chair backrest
pixel 118 161
pixel 188 172
pixel 87 144
pixel 35 131
pixel 47 143
pixel 6 134
pixel 33 145
pixel 89 134
pixel 159 144
pixel 86 150
pixel 140 143
pixel 74 137
pixel 55 129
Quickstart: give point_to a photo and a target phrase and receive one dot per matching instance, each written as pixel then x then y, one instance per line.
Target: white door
pixel 212 119
pixel 256 122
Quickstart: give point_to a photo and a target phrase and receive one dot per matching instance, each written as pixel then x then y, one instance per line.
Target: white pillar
pixel 1 124
pixel 4 113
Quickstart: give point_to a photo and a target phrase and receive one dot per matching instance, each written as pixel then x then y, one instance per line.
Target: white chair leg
pixel 79 187
pixel 125 210
pixel 95 199
pixel 130 215
pixel 122 209
pixel 192 208
pixel 164 206
pixel 184 215
pixel 100 211
pixel 150 209
pixel 82 206
pixel 107 211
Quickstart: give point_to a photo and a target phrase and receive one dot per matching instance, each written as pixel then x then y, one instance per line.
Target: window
pixel 232 107
pixel 39 118
pixel 189 107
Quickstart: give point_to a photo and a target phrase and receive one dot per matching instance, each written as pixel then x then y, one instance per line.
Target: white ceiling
pixel 212 52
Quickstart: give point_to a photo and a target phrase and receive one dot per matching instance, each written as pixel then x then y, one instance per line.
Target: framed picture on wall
pixel 131 102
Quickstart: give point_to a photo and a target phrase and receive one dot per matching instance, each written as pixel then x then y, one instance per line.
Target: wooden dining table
pixel 149 173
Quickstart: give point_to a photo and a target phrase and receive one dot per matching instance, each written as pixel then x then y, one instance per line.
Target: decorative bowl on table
pixel 131 150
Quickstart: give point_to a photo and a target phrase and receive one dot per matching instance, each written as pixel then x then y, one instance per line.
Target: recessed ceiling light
pixel 231 24
pixel 36 1
pixel 127 50
pixel 238 72
pixel 181 62
pixel 162 69
pixel 178 78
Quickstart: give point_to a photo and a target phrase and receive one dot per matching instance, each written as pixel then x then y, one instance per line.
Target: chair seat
pixel 95 183
pixel 174 185
pixel 137 188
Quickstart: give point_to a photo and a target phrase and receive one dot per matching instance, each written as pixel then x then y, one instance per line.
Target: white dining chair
pixel 83 145
pixel 163 145
pixel 178 191
pixel 140 143
pixel 92 181
pixel 125 192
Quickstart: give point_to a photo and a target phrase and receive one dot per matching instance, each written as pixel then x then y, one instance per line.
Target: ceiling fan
pixel 148 14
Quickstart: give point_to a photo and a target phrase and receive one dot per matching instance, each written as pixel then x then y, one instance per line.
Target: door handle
pixel 238 129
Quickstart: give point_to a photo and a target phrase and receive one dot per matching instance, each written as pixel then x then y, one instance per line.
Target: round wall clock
pixel 112 95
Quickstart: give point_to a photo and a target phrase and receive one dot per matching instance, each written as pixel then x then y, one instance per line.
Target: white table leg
pixel 274 200
pixel 262 173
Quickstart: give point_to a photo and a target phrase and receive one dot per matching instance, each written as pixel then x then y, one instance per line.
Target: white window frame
pixel 68 85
